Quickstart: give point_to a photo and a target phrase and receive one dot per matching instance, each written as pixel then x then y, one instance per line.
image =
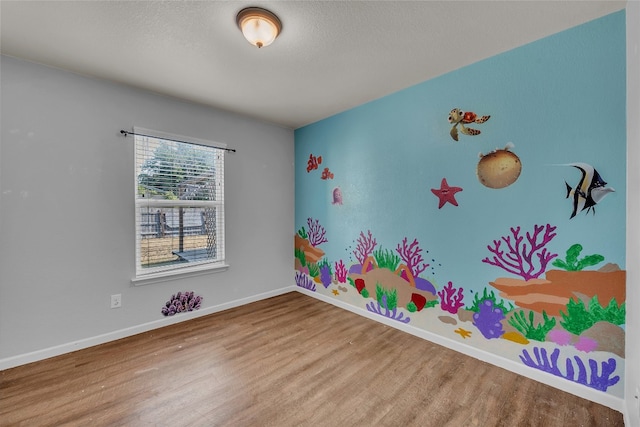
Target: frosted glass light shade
pixel 259 26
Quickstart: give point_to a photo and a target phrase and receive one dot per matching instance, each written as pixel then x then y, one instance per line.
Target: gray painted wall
pixel 67 213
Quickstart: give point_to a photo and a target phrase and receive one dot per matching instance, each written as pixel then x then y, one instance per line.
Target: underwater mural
pixel 512 271
pixel 561 310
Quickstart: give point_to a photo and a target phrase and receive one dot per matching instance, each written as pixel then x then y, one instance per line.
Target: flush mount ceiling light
pixel 259 26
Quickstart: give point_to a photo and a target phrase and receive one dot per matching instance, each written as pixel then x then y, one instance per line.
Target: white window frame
pixel 147 275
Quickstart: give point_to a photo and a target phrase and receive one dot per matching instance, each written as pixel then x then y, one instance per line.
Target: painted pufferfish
pixel 499 168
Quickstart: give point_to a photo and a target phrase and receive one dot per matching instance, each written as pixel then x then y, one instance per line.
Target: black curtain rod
pixel 126 132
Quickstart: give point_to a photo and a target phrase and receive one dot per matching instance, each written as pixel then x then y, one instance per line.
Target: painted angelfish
pixel 590 190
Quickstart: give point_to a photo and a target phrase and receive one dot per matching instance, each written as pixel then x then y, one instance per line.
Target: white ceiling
pixel 331 55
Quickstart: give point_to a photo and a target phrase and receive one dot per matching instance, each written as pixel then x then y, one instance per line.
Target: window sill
pixel 165 276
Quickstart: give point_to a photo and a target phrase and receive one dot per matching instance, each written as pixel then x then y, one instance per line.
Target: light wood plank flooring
pixel 290 360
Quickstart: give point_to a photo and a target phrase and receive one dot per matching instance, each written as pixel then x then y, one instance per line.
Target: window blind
pixel 179 200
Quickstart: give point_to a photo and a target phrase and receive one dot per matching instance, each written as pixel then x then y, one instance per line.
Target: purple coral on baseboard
pixel 599 381
pixel 305 282
pixel 364 248
pixel 488 320
pixel 316 233
pixel 520 258
pixel 412 257
pixel 375 307
pixel 341 272
pixel 451 298
pixel 181 302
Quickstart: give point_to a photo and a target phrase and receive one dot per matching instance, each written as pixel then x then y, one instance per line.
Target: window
pixel 179 198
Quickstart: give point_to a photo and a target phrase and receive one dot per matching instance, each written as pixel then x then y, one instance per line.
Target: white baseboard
pixel 510 365
pixel 626 417
pixel 23 359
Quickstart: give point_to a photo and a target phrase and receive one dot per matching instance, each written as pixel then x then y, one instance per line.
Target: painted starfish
pixel 446 193
pixel 463 333
pixel 335 292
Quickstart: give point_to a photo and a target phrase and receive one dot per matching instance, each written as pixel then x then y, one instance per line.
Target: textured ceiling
pixel 331 55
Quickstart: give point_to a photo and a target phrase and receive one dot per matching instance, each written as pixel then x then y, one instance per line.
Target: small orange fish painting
pixel 326 174
pixel 460 118
pixel 313 162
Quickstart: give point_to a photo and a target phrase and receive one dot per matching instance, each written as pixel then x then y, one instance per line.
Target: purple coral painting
pixel 325 275
pixel 182 302
pixel 488 320
pixel 600 379
pixel 383 310
pixel 303 281
pixel 525 258
pixel 411 255
pixel 316 233
pixel 365 246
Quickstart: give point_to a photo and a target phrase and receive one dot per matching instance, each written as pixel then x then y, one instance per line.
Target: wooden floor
pixel 290 360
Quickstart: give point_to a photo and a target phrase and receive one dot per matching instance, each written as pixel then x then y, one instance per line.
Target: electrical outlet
pixel 116 301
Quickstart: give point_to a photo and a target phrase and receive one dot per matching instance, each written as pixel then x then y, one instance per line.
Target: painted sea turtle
pixel 459 117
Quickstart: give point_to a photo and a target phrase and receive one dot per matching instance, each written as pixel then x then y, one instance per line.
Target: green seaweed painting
pixel 572 263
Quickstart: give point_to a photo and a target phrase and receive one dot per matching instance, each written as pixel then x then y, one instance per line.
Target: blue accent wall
pixel 554 102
